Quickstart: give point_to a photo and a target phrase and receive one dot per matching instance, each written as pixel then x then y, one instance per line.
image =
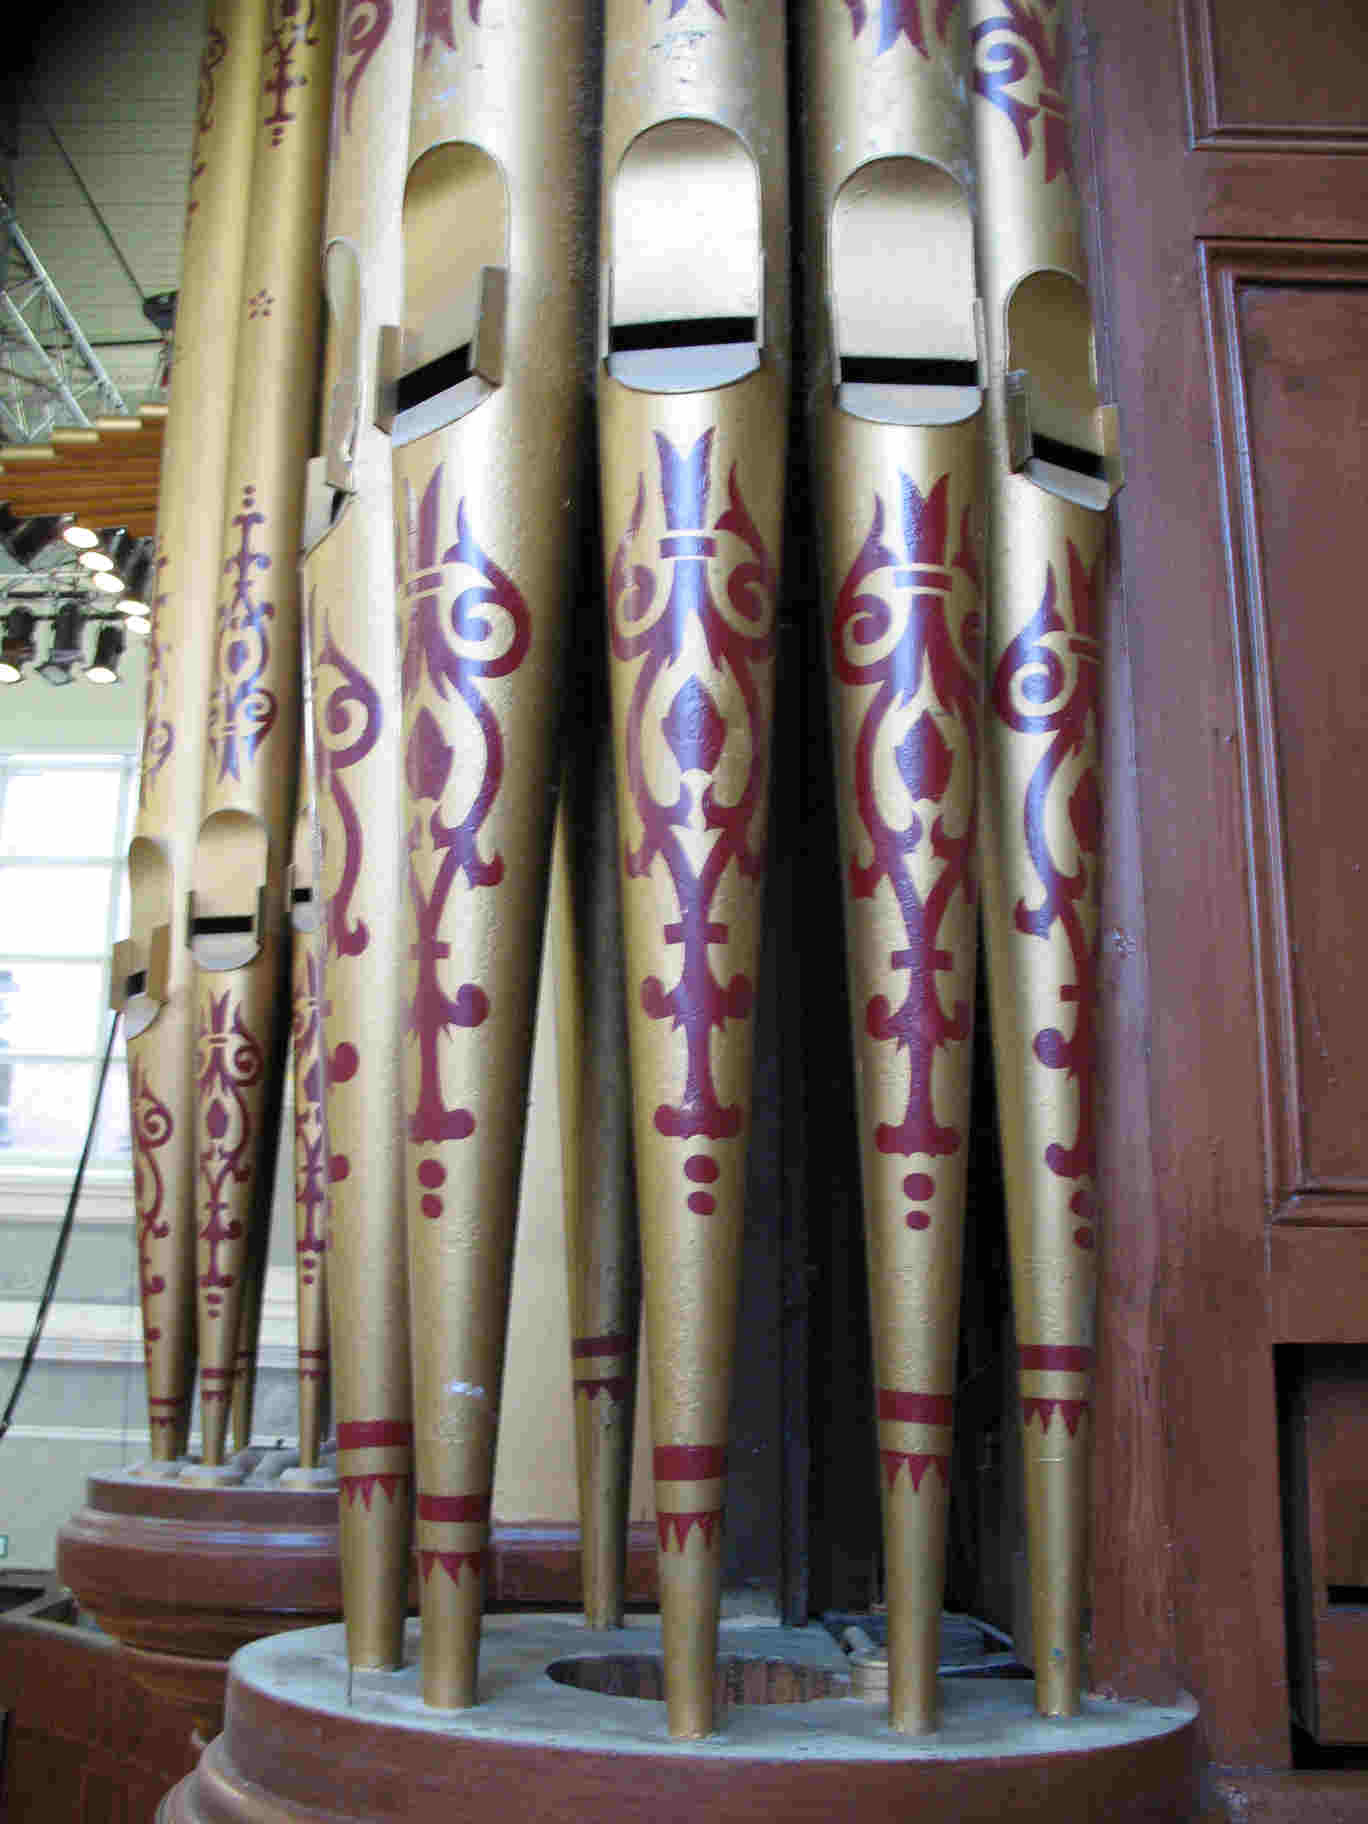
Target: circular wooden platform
pixel 173 1568
pixel 303 1743
pixel 182 1575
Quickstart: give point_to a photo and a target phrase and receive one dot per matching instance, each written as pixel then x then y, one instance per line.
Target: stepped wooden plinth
pixel 183 1575
pixel 561 1733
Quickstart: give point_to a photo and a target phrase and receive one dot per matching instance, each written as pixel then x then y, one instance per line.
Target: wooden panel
pixel 1326 1450
pixel 1212 1378
pixel 1283 75
pixel 1290 328
pixel 1318 1285
pixel 85 1741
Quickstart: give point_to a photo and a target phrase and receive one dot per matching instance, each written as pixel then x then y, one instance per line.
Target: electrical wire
pixel 64 1236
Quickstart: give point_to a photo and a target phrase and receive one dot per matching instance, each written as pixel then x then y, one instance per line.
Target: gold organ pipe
pixel 348 581
pixel 488 439
pixel 237 911
pixel 152 973
pixel 1053 467
pixel 692 393
pixel 897 430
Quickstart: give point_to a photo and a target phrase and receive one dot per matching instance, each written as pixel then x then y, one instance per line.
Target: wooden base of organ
pixel 182 1575
pixel 299 1744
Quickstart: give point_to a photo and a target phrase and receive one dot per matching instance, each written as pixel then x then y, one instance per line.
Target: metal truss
pixel 49 373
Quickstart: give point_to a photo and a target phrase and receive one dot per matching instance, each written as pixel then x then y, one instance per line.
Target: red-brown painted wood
pixel 1214 275
pixel 279 1763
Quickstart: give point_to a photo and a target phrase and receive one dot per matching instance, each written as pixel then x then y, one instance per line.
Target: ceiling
pixel 95 139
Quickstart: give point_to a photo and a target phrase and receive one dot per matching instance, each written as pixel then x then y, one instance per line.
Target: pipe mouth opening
pixel 739 1680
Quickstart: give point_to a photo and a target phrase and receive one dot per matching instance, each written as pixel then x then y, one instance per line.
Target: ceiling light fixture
pixel 64 650
pixel 81 537
pixel 33 536
pixel 18 647
pixel 109 646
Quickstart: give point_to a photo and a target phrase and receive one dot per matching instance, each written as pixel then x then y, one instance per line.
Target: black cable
pixel 59 1252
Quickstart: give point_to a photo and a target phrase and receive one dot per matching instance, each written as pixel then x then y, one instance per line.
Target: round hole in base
pixel 739 1680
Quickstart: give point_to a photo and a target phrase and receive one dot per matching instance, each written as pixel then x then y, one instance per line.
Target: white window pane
pixel 53 1007
pixel 47 1108
pixel 64 811
pixel 54 911
pixel 113 1136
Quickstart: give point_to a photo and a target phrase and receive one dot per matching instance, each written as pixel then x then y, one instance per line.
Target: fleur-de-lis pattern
pixel 1021 63
pixel 1048 683
pixel 438 27
pixel 690 648
pixel 242 710
pixel 677 6
pixel 289 25
pixel 229 1061
pixel 900 19
pixel 902 627
pixel 466 623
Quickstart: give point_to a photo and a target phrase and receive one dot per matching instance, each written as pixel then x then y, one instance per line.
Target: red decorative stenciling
pixel 1010 49
pixel 159 732
pixel 453 1563
pixel 916 1463
pixel 585 1347
pixel 229 1064
pixel 736 638
pixel 707 1520
pixel 901 18
pixel 1060 1358
pixel 242 711
pixel 216 1384
pixel 1071 1411
pixel 453 1510
pixel 310 1130
pixel 363 29
pixel 1048 682
pixel 164 1411
pixel 907 1408
pixel 374 1434
pixel 467 623
pixel 362 1488
pixel 595 1349
pixel 892 631
pixel 613 1386
pixel 213 54
pixel 313 1364
pixel 677 6
pixel 1054 1358
pixel 456 1510
pixel 348 719
pixel 289 28
pixel 689 1462
pixel 437 25
pixel 153 1126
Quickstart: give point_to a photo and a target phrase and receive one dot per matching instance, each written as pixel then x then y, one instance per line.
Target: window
pixel 65 821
